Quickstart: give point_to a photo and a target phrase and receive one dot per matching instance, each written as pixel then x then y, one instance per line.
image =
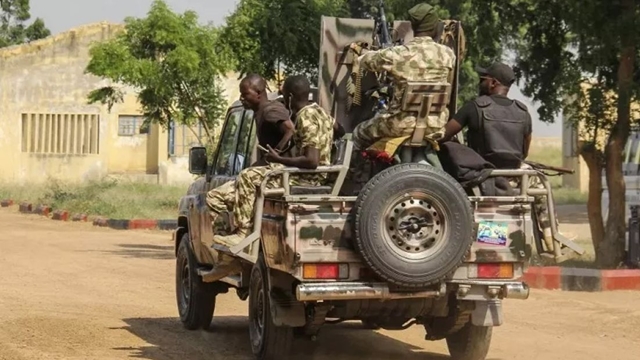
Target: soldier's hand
pixel 272 155
pixel 358 47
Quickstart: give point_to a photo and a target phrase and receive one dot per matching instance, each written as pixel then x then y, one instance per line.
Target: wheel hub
pixel 414 225
pixel 185 285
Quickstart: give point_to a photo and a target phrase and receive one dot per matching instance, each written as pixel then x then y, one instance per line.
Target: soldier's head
pixel 253 90
pixel 295 92
pixel 496 79
pixel 424 20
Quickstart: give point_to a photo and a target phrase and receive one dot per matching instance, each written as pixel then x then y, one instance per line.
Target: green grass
pixel 108 198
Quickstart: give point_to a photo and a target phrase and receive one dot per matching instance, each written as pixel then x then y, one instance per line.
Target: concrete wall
pixel 572 140
pixel 47 129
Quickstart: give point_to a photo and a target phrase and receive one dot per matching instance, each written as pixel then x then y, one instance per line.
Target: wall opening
pixel 70 134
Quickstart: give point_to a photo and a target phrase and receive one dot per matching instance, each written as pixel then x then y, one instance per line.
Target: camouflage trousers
pixel 239 195
pixel 386 125
pixel 540 207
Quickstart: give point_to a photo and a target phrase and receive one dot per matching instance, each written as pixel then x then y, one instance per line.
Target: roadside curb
pixel 579 279
pixel 118 224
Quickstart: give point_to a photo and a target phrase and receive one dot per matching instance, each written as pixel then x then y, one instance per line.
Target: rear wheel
pixel 413 225
pixel 268 341
pixel 470 343
pixel 196 299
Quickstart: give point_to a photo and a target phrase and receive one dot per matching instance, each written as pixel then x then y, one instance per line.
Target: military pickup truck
pixel 411 247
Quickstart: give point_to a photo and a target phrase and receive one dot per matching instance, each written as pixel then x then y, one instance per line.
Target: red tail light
pixel 495 271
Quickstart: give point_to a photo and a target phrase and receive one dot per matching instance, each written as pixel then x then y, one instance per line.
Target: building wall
pixel 572 140
pixel 47 129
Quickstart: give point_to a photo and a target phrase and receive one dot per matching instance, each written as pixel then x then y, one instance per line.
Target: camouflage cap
pixel 423 17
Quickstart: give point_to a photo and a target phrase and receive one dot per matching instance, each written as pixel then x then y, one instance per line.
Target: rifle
pixel 542 167
pixel 381 40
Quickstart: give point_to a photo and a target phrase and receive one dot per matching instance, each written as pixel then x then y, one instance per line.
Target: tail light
pixel 491 271
pixel 325 271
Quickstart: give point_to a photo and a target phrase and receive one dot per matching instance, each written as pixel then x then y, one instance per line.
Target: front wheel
pixel 196 300
pixel 268 341
pixel 470 343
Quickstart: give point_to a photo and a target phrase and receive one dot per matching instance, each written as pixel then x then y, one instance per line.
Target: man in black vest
pixel 499 129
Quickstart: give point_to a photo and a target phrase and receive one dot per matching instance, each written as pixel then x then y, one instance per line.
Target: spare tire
pixel 413 225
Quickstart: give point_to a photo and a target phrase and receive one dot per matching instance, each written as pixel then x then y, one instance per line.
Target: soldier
pixel 312 142
pixel 274 128
pixel 421 59
pixel 499 129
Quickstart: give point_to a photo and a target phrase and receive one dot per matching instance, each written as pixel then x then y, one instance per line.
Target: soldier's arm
pixel 309 123
pixel 380 60
pixel 458 122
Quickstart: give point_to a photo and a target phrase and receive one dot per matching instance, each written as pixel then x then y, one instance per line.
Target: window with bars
pixel 73 134
pixel 129 125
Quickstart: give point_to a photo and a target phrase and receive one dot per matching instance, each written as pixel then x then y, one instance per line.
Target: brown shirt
pixel 268 119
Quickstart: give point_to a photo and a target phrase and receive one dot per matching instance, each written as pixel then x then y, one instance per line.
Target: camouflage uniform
pixel 421 59
pixel 314 129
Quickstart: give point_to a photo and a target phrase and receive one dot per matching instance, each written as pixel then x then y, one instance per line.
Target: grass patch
pixel 549 153
pixel 108 198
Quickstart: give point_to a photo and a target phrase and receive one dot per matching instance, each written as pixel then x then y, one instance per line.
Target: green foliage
pixel 271 35
pixel 267 36
pixel 174 63
pixel 13 28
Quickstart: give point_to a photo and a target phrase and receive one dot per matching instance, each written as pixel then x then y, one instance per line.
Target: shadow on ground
pixel 572 214
pixel 229 339
pixel 144 251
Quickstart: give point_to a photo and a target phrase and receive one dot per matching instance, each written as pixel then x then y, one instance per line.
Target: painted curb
pixel 79 217
pixel 62 215
pixel 579 279
pixel 43 210
pixel 25 208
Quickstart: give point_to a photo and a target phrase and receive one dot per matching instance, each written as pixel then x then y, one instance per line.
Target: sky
pixel 61 15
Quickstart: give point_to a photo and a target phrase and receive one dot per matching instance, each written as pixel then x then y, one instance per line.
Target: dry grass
pixel 109 198
pixel 124 199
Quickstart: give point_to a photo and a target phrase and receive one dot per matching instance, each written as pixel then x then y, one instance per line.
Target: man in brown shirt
pixel 273 120
pixel 274 128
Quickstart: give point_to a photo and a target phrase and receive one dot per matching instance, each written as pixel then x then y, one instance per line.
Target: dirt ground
pixel 72 291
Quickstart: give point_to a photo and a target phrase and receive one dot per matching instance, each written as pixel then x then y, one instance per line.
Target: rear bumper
pixel 467 290
pixel 355 291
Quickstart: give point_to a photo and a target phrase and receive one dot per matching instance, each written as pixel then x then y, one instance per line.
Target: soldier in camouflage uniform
pixel 312 140
pixel 421 59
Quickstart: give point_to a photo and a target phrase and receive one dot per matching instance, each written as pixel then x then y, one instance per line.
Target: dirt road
pixel 72 291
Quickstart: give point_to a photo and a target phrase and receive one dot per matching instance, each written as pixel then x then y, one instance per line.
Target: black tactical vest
pixel 501 132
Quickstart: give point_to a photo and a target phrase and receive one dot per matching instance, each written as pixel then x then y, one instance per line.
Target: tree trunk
pixel 611 250
pixel 593 158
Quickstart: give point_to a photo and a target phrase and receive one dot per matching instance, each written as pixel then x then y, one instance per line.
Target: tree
pixel 268 36
pixel 584 51
pixel 13 30
pixel 174 63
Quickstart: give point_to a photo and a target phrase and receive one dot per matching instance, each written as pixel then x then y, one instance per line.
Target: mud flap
pixel 487 313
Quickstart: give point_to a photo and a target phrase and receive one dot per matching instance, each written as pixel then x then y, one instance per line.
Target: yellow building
pixel 47 129
pixel 572 139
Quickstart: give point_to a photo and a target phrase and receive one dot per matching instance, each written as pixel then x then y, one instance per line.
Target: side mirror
pixel 198 160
